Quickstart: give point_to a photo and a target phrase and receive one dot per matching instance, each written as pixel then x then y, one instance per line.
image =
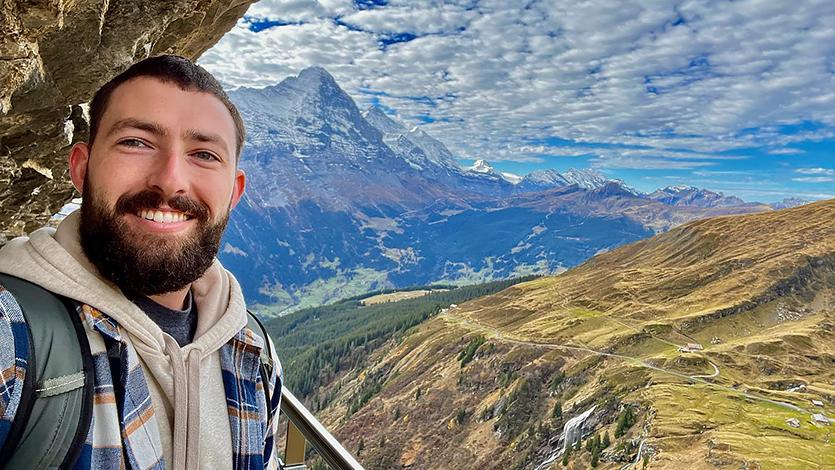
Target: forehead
pixel 165 103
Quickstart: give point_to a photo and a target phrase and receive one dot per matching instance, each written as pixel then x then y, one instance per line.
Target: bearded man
pixel 175 367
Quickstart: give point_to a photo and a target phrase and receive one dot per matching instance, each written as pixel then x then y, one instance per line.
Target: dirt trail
pixel 473 325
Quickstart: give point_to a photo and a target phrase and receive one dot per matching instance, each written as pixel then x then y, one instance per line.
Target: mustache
pixel 147 199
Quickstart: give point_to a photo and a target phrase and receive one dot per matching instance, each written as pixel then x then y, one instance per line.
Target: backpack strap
pixel 266 358
pixel 53 419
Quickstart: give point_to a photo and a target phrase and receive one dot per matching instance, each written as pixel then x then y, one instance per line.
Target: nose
pixel 168 175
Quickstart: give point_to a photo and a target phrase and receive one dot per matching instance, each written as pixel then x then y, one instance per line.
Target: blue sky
pixel 737 97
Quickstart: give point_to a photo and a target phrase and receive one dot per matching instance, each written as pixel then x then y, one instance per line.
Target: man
pixel 177 383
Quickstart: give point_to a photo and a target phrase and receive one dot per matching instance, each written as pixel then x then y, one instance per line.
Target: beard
pixel 147 263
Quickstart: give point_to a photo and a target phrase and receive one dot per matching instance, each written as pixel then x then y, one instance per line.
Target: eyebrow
pixel 201 136
pixel 131 123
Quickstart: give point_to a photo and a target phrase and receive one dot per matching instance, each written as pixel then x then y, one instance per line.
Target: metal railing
pixel 303 426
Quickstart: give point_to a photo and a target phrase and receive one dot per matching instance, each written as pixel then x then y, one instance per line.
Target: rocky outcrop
pixel 54 54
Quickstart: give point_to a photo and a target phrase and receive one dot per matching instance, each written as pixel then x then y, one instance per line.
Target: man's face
pixel 157 185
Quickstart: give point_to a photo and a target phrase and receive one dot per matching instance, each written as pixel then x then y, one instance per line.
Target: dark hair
pixel 170 69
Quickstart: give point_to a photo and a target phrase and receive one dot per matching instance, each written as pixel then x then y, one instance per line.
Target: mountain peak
pixel 481 166
pixel 683 195
pixel 790 202
pixel 585 178
pixel 679 188
pixel 316 72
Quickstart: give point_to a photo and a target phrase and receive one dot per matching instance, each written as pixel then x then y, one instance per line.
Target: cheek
pixel 104 191
pixel 217 194
pixel 116 177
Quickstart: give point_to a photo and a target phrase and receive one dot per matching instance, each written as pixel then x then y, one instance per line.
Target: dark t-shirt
pixel 180 324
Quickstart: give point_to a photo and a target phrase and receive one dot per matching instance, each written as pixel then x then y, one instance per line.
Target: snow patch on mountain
pixel 481 166
pixel 789 202
pixel 681 195
pixel 586 178
pixel 419 148
pixel 511 177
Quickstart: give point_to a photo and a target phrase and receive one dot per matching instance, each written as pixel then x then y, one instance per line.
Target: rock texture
pixel 54 54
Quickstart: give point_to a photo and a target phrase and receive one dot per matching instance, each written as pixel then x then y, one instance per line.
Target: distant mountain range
pixel 341 201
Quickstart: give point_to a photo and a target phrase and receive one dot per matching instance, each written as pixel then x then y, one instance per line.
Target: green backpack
pixel 56 406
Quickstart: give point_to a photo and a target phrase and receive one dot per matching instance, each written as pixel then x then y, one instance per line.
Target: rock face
pixel 53 56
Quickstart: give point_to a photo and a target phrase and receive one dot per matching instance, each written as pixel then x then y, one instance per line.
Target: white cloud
pixel 815 171
pixel 645 163
pixel 413 18
pixel 299 10
pixel 685 81
pixel 785 151
pixel 814 179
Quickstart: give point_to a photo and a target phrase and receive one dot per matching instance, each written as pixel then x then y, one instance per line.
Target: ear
pixel 238 188
pixel 79 157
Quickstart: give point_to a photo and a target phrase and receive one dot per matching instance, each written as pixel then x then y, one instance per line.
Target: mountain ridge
pixel 340 201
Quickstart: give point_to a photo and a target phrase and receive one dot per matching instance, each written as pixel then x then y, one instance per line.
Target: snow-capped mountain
pixel 307 140
pixel 433 159
pixel 421 150
pixel 511 178
pixel 341 201
pixel 540 180
pixel 481 166
pixel 588 179
pixel 692 196
pixel 789 202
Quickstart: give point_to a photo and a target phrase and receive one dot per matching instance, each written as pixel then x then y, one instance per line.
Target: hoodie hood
pixel 55 260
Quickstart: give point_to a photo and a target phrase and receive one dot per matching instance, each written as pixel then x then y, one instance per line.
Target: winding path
pixel 473 325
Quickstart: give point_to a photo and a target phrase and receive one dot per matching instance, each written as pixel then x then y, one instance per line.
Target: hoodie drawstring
pixel 186 435
pixel 193 441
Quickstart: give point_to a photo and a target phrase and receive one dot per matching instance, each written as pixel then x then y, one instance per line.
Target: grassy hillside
pixel 317 344
pixel 478 386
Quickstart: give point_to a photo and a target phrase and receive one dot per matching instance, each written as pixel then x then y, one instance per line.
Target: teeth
pixel 163 217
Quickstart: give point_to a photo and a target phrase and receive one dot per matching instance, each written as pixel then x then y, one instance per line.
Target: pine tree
pixel 594 458
pixel 360 446
pixel 625 421
pixel 606 440
pixel 557 413
pixel 417 394
pixel 565 456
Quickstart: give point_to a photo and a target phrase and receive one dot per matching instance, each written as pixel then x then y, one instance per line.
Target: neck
pixel 174 300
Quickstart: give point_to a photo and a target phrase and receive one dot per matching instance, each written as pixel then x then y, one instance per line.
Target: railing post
pixel 294 446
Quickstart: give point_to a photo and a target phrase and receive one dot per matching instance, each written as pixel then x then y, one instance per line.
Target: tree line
pixel 315 344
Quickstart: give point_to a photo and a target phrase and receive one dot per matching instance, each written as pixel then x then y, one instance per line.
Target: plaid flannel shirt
pixel 130 439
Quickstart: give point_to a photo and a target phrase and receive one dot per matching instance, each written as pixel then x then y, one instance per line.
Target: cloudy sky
pixel 736 96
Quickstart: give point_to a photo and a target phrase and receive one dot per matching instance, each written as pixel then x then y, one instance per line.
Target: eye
pixel 206 156
pixel 131 142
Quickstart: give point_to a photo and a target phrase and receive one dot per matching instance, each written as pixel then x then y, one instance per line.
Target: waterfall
pixel 573 429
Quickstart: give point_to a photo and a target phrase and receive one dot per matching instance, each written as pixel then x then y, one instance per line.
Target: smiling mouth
pixel 163 217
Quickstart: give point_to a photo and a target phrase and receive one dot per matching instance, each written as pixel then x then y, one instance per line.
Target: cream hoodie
pixel 185 383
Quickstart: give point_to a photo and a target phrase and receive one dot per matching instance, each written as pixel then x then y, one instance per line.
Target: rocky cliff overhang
pixel 54 54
